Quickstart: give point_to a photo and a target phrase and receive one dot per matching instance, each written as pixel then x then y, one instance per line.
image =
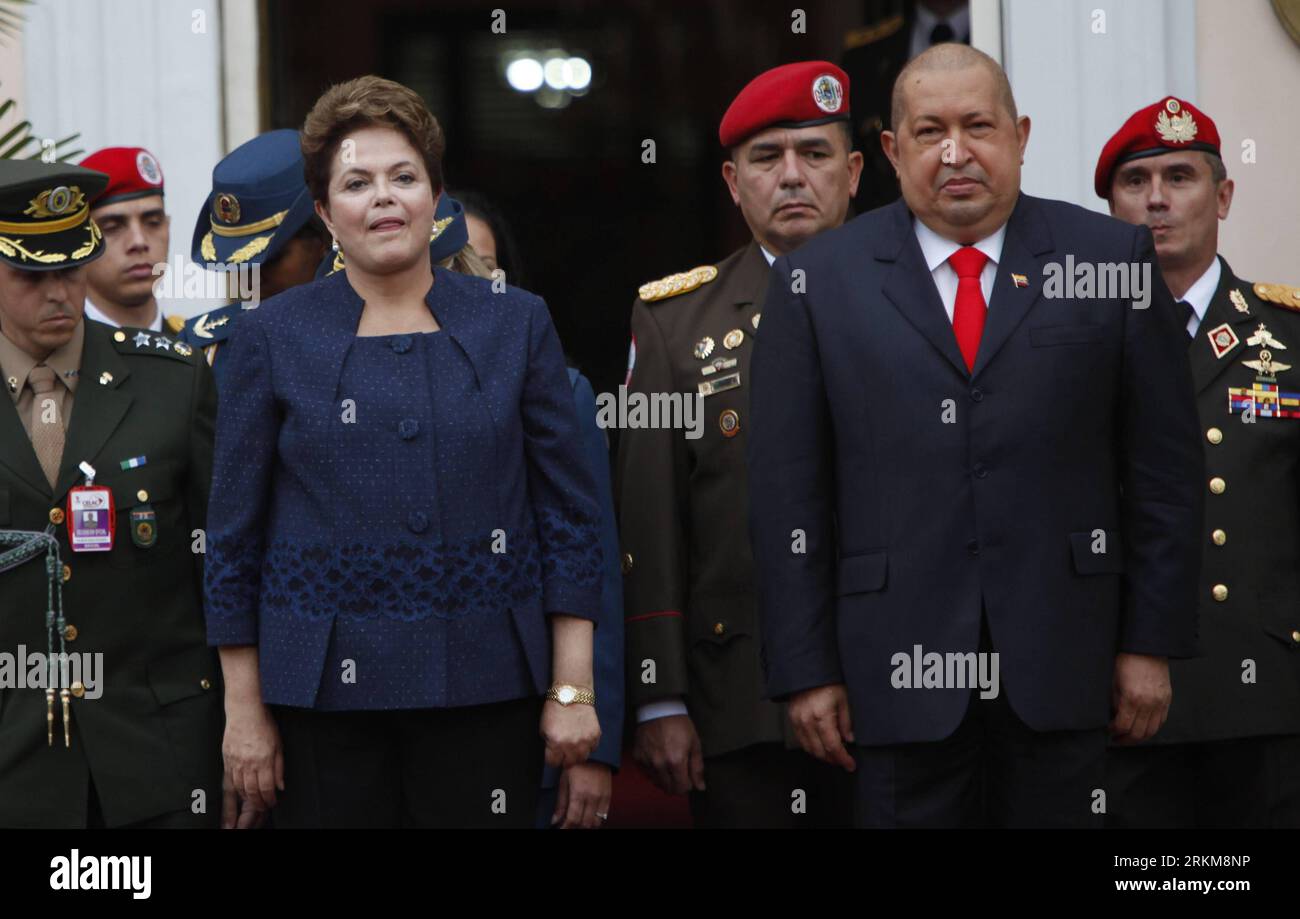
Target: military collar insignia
pixel 1181 128
pixel 1238 301
pixel 1222 339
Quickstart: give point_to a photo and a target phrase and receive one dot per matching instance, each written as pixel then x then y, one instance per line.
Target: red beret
pixel 1170 124
pixel 132 173
pixel 791 96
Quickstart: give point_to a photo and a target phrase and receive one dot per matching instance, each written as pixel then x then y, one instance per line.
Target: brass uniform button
pixel 105 378
pixel 142 496
pixel 719 628
pixel 1217 485
pixel 70 632
pixel 67 573
pixel 1214 436
pixel 1219 537
pixel 119 336
pixel 56 516
pixel 205 683
pixel 78 689
pixel 1220 592
pixel 1295 636
pixel 627 562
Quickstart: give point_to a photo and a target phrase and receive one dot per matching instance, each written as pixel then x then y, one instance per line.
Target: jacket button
pixel 70 633
pixel 976 395
pixel 408 428
pixel 1214 436
pixel 1219 537
pixel 142 496
pixel 402 344
pixel 78 689
pixel 1217 485
pixel 67 573
pixel 627 562
pixel 205 683
pixel 973 547
pixel 1219 592
pixel 1295 636
pixel 56 516
pixel 719 628
pixel 980 471
pixel 417 521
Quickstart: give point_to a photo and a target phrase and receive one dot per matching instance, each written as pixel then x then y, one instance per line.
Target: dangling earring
pixel 335 244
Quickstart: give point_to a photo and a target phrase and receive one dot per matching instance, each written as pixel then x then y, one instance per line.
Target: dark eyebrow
pixel 819 142
pixel 153 212
pixel 765 147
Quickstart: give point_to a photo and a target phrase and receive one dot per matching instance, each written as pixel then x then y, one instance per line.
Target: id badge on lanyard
pixel 91 516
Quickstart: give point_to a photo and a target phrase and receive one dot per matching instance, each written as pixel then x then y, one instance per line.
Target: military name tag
pixel 721 384
pixel 144 526
pixel 91 519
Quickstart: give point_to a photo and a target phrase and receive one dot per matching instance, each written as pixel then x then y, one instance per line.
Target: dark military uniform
pixel 873 56
pixel 1229 753
pixel 689 591
pixel 154 736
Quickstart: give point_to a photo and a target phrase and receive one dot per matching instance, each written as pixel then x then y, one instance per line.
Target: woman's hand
pixel 582 798
pixel 571 733
pixel 253 756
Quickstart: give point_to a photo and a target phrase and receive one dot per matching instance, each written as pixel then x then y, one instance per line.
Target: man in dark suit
pixel 692 632
pixel 1229 755
pixel 941 502
pixel 130 735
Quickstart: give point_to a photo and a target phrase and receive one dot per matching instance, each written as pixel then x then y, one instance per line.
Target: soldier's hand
pixel 232 815
pixel 1140 697
pixel 821 721
pixel 252 752
pixel 669 750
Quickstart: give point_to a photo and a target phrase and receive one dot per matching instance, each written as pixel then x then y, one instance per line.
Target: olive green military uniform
pixel 692 629
pixel 1229 753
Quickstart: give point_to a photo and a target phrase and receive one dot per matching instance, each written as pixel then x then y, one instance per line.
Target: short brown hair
pixel 360 103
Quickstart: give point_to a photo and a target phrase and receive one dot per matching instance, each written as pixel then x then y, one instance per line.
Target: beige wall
pixel 11 78
pixel 1248 75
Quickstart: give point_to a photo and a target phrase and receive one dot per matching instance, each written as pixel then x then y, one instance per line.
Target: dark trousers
pixel 175 820
pixel 993 771
pixel 1251 782
pixel 476 766
pixel 759 787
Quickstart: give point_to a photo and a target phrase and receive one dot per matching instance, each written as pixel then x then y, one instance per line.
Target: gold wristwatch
pixel 567 694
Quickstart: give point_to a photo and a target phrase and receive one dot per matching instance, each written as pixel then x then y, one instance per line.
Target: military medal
pixel 733 339
pixel 729 423
pixel 704 347
pixel 144 526
pixel 719 363
pixel 1264 399
pixel 91 517
pixel 721 384
pixel 753 320
pixel 1222 339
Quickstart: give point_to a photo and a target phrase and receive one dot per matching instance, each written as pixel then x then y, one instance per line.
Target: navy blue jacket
pixel 926 493
pixel 326 548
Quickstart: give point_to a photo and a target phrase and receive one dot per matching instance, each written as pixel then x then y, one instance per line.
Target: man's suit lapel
pixel 16 449
pixel 910 286
pixel 1026 242
pixel 98 408
pixel 1205 366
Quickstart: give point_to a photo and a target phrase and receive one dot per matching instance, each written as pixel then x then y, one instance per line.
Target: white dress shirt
pixel 936 251
pixel 1201 293
pixel 94 312
pixel 925 22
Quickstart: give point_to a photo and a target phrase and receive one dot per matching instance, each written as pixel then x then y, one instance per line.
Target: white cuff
pixel 652 710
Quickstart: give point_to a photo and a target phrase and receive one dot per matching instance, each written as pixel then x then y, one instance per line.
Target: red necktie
pixel 970 309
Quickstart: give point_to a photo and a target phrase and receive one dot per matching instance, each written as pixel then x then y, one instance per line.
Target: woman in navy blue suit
pixel 403 555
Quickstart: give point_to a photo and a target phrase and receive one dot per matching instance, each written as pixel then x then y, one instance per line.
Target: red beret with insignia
pixel 1168 125
pixel 133 172
pixel 790 96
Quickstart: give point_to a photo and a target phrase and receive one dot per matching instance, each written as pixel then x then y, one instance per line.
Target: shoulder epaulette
pixel 675 284
pixel 865 35
pixel 142 341
pixel 1283 295
pixel 211 327
pixel 174 324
